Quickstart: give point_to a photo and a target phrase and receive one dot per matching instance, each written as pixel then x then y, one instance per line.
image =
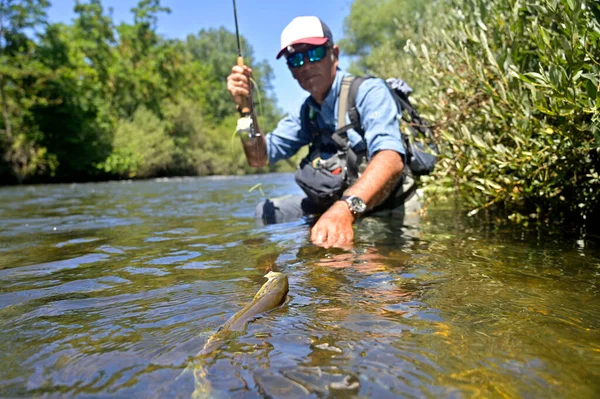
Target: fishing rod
pixel 247 126
pixel 246 102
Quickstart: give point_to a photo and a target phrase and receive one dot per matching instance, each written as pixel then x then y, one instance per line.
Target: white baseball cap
pixel 304 30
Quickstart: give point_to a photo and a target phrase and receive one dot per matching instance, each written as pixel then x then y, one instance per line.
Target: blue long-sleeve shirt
pixel 377 110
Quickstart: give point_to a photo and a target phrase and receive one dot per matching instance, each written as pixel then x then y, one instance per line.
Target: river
pixel 110 289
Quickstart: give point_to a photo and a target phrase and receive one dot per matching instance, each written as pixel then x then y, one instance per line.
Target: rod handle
pixel 244 101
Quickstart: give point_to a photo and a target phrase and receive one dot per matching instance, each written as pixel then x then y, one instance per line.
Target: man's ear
pixel 335 52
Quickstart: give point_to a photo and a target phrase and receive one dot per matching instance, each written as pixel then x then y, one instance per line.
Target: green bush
pixel 513 87
pixel 141 147
pixel 95 100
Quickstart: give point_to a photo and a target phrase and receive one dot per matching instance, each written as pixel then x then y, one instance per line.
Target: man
pixel 312 57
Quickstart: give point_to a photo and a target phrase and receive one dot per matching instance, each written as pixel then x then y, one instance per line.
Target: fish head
pixel 271 275
pixel 276 282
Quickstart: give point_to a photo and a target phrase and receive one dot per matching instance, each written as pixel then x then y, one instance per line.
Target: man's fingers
pixel 329 232
pixel 241 70
pixel 237 84
pixel 317 237
pixel 327 239
pixel 237 80
pixel 239 91
pixel 344 241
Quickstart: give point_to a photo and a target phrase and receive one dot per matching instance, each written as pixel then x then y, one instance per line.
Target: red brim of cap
pixel 313 41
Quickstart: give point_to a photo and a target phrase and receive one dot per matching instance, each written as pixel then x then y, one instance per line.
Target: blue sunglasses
pixel 314 54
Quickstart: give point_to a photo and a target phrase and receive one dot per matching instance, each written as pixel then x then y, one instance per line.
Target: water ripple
pixel 120 297
pixel 43 269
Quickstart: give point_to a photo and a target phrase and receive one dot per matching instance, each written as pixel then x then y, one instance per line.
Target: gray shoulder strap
pixel 343 101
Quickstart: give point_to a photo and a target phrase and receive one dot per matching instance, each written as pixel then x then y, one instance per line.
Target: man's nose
pixel 307 63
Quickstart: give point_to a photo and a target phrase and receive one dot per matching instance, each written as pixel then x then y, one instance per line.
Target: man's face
pixel 318 76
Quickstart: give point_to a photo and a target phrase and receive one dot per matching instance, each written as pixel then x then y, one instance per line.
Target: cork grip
pixel 244 101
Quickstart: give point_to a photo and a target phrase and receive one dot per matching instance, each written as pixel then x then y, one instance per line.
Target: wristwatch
pixel 356 204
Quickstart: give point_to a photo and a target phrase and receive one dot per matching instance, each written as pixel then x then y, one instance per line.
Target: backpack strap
pixel 353 114
pixel 343 101
pixel 356 124
pixel 340 135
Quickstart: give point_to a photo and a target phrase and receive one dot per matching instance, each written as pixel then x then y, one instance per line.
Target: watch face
pixel 357 205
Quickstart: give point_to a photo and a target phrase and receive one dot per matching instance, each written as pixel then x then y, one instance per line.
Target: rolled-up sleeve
pixel 379 117
pixel 287 138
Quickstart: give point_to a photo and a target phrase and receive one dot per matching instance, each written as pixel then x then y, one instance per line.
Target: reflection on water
pixel 111 289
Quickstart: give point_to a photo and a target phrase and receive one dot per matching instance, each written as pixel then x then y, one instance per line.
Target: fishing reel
pixel 245 129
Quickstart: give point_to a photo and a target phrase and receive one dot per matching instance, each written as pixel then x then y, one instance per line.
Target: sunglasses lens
pixel 316 54
pixel 295 60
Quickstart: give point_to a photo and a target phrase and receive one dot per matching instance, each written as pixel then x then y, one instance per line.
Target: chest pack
pixel 332 165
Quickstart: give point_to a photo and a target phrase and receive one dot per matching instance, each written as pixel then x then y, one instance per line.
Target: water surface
pixel 110 289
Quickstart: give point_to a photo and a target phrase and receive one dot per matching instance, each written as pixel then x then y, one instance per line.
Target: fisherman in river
pixel 347 174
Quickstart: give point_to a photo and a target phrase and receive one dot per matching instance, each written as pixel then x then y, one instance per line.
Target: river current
pixel 111 289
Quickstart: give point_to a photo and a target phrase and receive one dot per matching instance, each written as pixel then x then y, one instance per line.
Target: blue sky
pixel 260 22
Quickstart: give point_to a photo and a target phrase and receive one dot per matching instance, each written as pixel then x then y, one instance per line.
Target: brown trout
pixel 271 295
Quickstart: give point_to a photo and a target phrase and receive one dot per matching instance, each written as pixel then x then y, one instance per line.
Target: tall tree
pixel 217 48
pixel 77 121
pixel 94 31
pixel 142 56
pixel 375 31
pixel 20 76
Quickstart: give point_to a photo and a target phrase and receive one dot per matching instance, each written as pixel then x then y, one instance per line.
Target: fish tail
pixel 203 387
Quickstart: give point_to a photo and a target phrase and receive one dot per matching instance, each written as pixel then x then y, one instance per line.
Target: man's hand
pixel 238 83
pixel 334 227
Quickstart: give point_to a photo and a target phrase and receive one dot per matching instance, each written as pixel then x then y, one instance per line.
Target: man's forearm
pixel 379 178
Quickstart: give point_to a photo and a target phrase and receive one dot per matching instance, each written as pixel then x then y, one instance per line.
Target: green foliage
pixel 142 146
pixel 21 75
pixel 513 86
pixel 92 100
pixel 201 147
pixel 374 29
pixel 76 121
pixel 217 49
